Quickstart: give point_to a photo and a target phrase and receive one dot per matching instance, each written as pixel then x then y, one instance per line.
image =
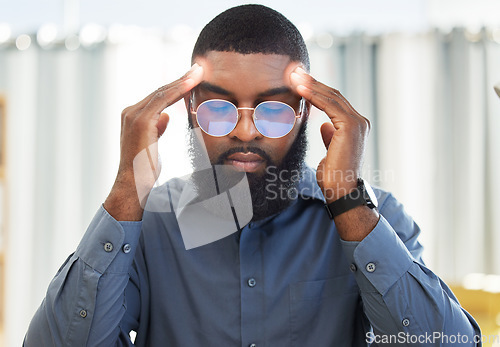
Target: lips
pixel 248 162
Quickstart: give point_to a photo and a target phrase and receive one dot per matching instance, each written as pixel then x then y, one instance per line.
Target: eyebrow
pixel 214 89
pixel 275 91
pixel 219 90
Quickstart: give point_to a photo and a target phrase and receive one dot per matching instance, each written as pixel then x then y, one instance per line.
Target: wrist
pixel 123 202
pixel 123 208
pixel 357 223
pixel 333 192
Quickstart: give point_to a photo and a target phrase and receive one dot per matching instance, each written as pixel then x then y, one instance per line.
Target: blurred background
pixel 422 71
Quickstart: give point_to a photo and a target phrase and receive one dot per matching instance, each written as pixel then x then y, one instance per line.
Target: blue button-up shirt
pixel 288 280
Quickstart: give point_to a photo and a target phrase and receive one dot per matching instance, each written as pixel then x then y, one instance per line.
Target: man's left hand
pixel 345 139
pixel 344 136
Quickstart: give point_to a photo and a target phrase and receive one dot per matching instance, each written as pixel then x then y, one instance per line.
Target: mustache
pixel 224 156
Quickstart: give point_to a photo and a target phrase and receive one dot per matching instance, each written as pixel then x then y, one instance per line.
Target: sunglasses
pixel 273 119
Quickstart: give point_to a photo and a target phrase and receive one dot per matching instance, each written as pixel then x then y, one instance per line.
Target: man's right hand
pixel 142 126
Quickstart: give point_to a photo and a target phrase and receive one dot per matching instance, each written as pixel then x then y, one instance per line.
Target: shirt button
pixel 370 267
pixel 252 345
pixel 83 313
pixel 251 283
pixel 108 246
pixel 126 248
pixel 406 322
pixel 353 267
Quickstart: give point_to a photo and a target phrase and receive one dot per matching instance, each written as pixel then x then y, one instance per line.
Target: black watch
pixel 363 195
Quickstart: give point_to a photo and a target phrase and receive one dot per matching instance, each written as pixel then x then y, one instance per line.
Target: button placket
pixel 253 312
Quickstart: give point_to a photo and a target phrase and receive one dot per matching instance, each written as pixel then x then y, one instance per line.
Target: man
pixel 287 274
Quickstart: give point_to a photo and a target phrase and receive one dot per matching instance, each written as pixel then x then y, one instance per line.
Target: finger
pixel 327 131
pixel 332 102
pixel 330 95
pixel 331 107
pixel 314 84
pixel 183 78
pixel 310 81
pixel 188 80
pixel 162 123
pixel 174 92
pixel 318 94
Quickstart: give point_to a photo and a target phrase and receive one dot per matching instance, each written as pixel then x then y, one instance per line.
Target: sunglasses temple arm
pixel 302 108
pixel 191 109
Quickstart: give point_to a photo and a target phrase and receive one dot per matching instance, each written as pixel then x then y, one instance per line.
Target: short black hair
pixel 248 29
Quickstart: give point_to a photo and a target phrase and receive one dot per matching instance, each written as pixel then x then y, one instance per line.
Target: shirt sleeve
pixel 84 304
pixel 404 301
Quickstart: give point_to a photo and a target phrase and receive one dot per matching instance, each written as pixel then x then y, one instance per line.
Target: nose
pixel 245 129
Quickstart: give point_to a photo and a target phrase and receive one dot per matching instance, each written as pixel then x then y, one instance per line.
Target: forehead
pixel 248 74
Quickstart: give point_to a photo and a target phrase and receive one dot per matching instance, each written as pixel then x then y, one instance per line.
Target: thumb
pixel 162 123
pixel 327 131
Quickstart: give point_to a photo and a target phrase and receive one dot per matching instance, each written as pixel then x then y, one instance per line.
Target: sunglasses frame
pixel 300 113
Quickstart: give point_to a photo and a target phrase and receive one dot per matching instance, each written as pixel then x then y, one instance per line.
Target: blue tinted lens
pixel 217 117
pixel 274 119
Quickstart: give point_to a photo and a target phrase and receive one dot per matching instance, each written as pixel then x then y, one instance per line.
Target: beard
pixel 271 192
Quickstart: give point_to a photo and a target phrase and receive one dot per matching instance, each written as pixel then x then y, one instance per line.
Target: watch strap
pixel 345 203
pixel 362 195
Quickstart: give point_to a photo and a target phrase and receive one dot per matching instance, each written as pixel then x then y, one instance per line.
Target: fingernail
pixel 296 76
pixel 194 67
pixel 300 70
pixel 302 88
pixel 194 74
pixel 197 71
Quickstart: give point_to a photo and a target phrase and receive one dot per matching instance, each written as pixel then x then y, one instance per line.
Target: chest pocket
pixel 322 313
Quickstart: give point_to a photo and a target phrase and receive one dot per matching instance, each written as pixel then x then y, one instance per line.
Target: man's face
pixel 247 80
